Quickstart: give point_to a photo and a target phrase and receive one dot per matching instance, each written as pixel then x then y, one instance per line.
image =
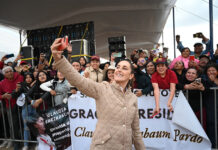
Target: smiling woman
pixel 116 105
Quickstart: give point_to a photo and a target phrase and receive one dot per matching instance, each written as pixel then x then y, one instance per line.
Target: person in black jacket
pixel 143 80
pixel 212 82
pixel 27 110
pixel 36 96
pixel 180 73
pixel 194 87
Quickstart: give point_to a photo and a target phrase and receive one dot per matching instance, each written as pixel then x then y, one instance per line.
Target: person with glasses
pixel 143 83
pixel 7 85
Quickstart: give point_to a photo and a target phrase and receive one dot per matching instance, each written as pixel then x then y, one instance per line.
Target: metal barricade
pixel 215 89
pixel 215 115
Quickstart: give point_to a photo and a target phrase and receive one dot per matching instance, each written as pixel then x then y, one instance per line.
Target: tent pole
pixel 211 23
pixel 174 40
pixel 20 31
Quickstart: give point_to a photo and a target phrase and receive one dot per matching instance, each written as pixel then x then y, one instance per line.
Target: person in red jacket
pixel 6 87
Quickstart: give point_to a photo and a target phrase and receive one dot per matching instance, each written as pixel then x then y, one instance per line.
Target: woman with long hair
pixel 27 110
pixel 57 87
pixel 116 105
pixel 36 96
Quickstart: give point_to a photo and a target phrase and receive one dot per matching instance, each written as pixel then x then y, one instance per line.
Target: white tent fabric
pixel 141 21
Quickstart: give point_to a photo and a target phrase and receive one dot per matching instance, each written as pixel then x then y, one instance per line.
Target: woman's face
pixel 60 76
pixel 150 68
pixel 82 61
pixel 110 75
pixel 28 79
pixel 42 77
pixel 178 65
pixel 123 72
pixel 95 64
pixel 40 125
pixel 106 66
pixel 76 65
pixel 212 72
pixel 161 69
pixel 191 74
pixel 186 53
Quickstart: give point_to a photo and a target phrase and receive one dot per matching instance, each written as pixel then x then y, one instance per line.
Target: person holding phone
pixel 192 88
pixel 184 57
pixel 116 106
pixel 198 47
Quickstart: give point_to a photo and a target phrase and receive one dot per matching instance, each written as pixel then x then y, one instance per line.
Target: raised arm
pixel 86 86
pixel 47 86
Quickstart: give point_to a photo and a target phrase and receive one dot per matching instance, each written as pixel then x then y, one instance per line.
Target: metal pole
pixel 215 118
pixel 211 23
pixel 174 34
pixel 201 110
pixel 3 117
pixel 20 31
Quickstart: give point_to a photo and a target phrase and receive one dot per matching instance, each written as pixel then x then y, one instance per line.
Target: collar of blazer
pixel 119 88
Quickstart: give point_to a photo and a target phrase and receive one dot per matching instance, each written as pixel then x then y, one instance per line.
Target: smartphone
pixel 198 80
pixel 9 55
pixel 64 43
pixel 192 57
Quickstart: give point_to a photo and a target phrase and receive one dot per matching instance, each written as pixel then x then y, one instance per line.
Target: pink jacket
pixel 180 58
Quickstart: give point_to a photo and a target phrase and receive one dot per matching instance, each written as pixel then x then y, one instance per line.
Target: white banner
pixel 180 130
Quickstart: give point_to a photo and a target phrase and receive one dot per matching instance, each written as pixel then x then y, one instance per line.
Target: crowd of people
pixel 193 72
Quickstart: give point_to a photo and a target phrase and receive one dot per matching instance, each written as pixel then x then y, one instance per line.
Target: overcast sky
pixel 191 16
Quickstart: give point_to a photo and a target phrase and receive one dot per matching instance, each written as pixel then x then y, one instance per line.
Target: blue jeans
pixel 27 111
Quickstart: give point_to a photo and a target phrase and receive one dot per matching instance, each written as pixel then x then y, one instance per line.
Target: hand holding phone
pixel 9 55
pixel 64 43
pixel 192 58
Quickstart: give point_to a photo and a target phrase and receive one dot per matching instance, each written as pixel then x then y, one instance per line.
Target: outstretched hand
pixel 54 49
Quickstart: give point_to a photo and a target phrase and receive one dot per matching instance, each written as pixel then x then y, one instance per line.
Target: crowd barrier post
pixel 11 120
pixel 20 124
pixel 215 115
pixel 3 117
pixel 201 110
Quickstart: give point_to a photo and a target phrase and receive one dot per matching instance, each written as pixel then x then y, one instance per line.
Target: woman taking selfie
pixel 116 105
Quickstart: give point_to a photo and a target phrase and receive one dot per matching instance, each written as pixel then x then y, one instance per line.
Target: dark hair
pixel 185 49
pixel 85 61
pixel 55 81
pixel 148 63
pixel 194 69
pixel 37 78
pixel 210 65
pixel 132 70
pixel 31 122
pixel 106 76
pixel 182 63
pixel 30 74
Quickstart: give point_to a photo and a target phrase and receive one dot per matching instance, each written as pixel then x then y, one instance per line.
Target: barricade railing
pixel 20 129
pixel 215 89
pixel 12 126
